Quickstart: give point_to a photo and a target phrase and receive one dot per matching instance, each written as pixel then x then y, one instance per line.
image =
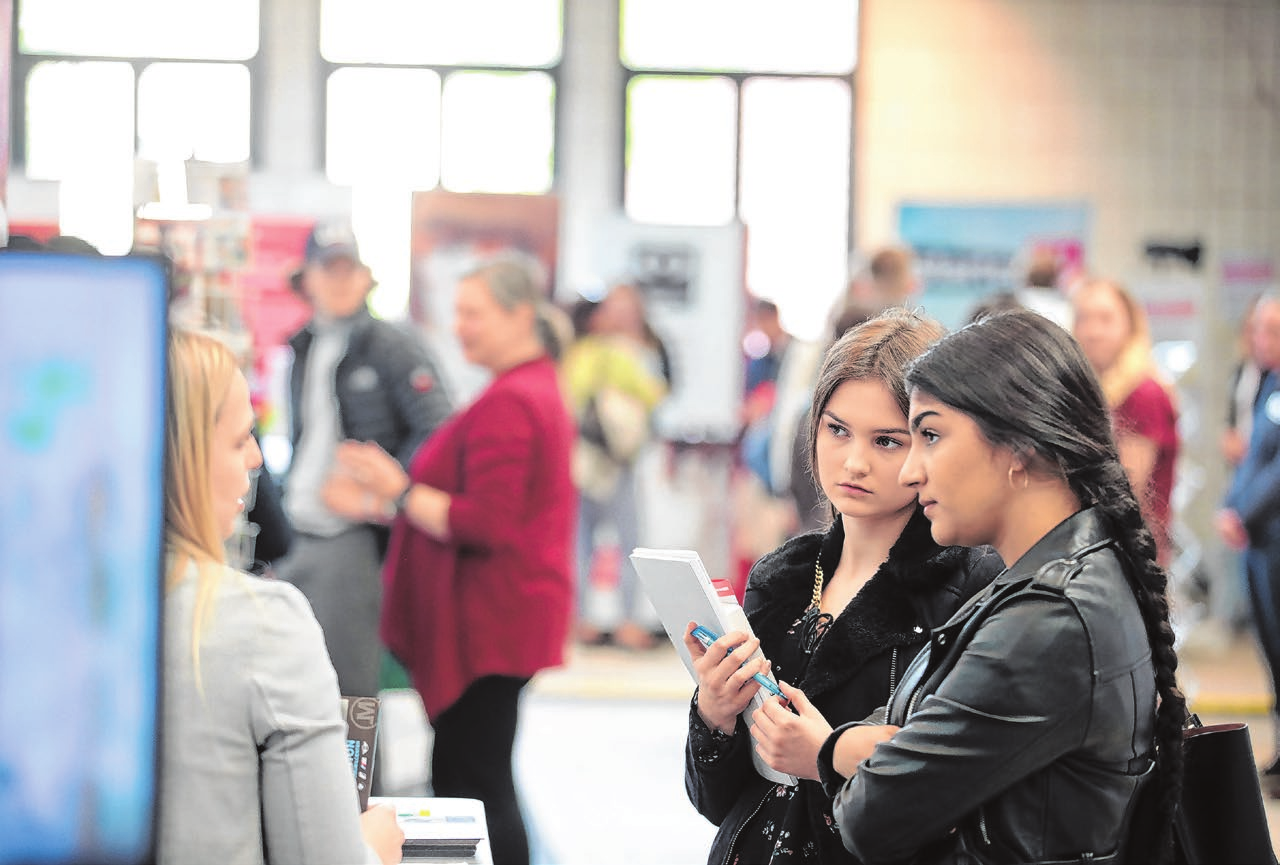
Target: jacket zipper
pixel 982 826
pixel 733 842
pixel 893 672
pixel 911 704
pixel 911 700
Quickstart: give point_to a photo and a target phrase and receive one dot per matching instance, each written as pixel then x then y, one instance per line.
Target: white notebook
pixel 681 592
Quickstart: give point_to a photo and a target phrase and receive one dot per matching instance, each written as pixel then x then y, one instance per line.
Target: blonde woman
pixel 254 766
pixel 1111 327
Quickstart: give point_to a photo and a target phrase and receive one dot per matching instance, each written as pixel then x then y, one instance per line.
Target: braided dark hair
pixel 1029 388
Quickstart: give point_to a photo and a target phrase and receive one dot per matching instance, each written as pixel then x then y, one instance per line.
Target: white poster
pixel 692 281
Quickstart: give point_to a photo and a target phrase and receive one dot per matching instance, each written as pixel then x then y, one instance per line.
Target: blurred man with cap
pixel 353 377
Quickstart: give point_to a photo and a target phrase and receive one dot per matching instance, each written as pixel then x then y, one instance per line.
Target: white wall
pixel 1164 115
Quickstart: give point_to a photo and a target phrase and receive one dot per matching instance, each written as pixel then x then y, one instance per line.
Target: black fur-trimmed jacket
pixel 848 677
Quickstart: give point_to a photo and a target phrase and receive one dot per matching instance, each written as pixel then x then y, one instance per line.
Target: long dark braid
pixel 1027 385
pixel 1111 494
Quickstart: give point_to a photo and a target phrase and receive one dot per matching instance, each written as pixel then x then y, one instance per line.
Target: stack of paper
pixel 439 828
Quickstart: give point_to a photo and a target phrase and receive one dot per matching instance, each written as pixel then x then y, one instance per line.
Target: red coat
pixel 497 597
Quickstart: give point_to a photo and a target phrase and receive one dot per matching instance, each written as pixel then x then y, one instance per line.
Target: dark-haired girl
pixel 1026 730
pixel 838 613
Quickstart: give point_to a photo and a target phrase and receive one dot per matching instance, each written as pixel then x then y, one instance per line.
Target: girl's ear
pixel 1019 464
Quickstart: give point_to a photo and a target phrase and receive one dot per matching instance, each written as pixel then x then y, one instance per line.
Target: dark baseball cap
pixel 330 240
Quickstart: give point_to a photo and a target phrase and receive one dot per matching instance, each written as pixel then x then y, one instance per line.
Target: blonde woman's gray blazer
pixel 253 759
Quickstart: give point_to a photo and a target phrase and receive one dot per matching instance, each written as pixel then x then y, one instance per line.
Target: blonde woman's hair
pixel 201 369
pixel 1136 363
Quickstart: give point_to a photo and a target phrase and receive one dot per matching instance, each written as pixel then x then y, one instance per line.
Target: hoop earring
pixel 1026 478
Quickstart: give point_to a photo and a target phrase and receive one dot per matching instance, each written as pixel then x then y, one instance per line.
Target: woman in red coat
pixel 478 586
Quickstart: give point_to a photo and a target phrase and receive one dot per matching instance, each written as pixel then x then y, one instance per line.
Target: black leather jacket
pixel 1027 723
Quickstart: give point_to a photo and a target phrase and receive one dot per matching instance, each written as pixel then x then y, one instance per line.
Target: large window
pixel 371 130
pixel 423 93
pixel 682 147
pixel 103 83
pixel 742 109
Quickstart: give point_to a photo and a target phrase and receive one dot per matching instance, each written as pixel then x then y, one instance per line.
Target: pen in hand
pixel 769 686
pixel 706 637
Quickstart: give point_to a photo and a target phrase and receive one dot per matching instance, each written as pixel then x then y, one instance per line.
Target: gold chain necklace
pixel 814 622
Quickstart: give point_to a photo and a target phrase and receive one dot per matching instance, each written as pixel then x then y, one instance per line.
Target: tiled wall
pixel 1164 115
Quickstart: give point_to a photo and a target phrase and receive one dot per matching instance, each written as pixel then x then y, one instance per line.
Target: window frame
pixel 23 64
pixel 325 68
pixel 739 79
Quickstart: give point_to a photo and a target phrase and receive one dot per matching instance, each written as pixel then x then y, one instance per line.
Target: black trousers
pixel 471 759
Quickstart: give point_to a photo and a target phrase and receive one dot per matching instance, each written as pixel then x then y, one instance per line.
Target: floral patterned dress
pixel 781 829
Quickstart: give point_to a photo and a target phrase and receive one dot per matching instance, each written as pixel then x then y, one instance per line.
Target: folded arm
pixel 992 723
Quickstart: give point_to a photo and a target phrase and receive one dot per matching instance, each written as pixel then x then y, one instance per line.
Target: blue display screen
pixel 82 408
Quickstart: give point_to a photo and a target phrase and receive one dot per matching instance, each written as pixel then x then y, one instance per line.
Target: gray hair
pixel 516 278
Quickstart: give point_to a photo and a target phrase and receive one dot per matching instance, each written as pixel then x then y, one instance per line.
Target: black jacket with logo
pixel 387 388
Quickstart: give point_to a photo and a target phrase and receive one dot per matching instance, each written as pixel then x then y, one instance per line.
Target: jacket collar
pixel 884 614
pixel 1066 540
pixel 360 321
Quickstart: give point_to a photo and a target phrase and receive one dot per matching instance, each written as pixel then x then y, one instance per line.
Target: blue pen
pixel 706 637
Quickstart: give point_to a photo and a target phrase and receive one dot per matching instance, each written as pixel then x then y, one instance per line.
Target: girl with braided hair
pixel 1028 727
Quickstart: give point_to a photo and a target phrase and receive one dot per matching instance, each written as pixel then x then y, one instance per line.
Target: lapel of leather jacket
pixel 948 642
